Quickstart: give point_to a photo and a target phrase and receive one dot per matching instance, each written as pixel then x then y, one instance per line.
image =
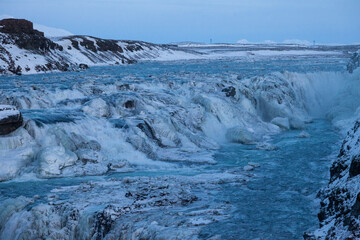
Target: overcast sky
pixel 164 21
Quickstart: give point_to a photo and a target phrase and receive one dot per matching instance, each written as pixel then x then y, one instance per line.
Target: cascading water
pixel 169 142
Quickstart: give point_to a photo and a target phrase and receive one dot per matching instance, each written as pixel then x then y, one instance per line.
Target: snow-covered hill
pixel 26 50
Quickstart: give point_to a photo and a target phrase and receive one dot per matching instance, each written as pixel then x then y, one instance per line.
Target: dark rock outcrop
pixel 10 119
pixel 355 166
pixel 229 91
pixel 18 26
pixel 83 66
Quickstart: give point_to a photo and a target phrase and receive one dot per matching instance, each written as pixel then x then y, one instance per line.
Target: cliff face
pixel 25 50
pixel 340 201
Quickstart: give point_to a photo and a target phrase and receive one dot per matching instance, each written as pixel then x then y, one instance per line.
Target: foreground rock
pixel 10 119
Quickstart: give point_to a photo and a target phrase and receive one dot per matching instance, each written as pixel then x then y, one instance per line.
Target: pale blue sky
pixel 163 21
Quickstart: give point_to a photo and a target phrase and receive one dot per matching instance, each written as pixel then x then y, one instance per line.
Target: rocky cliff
pixel 339 216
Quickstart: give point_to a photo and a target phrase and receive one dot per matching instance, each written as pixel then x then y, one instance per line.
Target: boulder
pixel 229 91
pixel 83 66
pixel 10 119
pixel 129 104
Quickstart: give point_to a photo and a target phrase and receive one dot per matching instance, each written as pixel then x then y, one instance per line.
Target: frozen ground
pixel 220 148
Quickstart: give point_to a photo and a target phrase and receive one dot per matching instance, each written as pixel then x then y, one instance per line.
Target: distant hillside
pixel 26 50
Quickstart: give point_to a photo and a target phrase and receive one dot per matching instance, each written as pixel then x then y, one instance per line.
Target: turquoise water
pixel 278 202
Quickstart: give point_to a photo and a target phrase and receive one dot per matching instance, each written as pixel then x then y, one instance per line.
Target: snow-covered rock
pixel 10 119
pixel 340 201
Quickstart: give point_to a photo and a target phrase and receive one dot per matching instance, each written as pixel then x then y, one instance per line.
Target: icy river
pixel 220 149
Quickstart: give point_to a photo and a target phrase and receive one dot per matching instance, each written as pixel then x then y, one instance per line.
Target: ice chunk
pixel 281 122
pixel 253 164
pixel 248 168
pixel 266 146
pixel 240 135
pixel 296 123
pixel 304 134
pixel 53 159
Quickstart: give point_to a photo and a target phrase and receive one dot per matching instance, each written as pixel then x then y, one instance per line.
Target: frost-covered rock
pixel 281 122
pixel 10 119
pixel 53 159
pixel 340 212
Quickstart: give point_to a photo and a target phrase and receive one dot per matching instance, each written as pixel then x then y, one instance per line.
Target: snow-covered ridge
pixel 25 54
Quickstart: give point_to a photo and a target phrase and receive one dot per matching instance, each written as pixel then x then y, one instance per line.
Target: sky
pixel 167 21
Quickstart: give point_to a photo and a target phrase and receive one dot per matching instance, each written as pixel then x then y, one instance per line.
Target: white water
pixel 155 118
